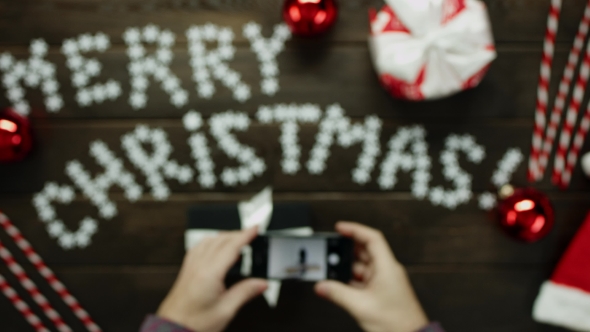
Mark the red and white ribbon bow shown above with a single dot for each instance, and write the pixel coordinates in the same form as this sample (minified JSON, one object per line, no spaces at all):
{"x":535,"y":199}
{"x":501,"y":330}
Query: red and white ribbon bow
{"x":424,"y":49}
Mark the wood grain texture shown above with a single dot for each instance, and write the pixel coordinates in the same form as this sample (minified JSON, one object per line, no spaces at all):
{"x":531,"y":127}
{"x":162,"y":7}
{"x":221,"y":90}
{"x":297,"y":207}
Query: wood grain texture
{"x":490,"y":299}
{"x":48,"y":160}
{"x":514,"y":20}
{"x":311,"y":73}
{"x":468,"y":274}
{"x":150,"y":232}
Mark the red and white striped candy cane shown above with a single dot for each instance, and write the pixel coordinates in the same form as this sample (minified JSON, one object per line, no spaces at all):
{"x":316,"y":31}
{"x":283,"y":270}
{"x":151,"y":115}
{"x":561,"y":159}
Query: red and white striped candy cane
{"x":564,"y":88}
{"x":21,"y":306}
{"x":46,"y":272}
{"x":570,"y":121}
{"x":542,"y":91}
{"x":574,"y":153}
{"x":30,"y":286}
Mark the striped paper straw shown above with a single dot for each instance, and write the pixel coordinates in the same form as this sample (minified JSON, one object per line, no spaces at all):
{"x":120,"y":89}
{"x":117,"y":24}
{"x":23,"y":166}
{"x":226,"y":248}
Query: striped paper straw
{"x":21,"y":306}
{"x":30,"y":286}
{"x":542,"y":91}
{"x":564,"y":89}
{"x":574,"y":153}
{"x":570,"y":120}
{"x":46,"y":272}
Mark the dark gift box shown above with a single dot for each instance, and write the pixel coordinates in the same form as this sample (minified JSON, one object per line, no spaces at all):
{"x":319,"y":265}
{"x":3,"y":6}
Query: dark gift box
{"x":226,"y":217}
{"x":207,"y":219}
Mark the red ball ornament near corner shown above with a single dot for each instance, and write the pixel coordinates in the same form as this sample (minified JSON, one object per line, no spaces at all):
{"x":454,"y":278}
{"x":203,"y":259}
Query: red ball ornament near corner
{"x":15,"y":136}
{"x":526,"y":214}
{"x":309,"y":17}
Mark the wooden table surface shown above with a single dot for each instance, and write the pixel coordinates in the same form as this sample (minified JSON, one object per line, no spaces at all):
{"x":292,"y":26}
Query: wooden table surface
{"x":466,"y":272}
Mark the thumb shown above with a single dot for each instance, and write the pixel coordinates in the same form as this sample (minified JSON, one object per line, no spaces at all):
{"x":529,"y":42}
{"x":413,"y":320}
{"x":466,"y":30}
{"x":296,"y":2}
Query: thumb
{"x":242,"y":292}
{"x":339,"y":293}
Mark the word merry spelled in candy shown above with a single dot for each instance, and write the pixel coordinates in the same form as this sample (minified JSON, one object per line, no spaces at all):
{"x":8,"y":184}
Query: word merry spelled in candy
{"x":37,"y":72}
{"x":407,"y":150}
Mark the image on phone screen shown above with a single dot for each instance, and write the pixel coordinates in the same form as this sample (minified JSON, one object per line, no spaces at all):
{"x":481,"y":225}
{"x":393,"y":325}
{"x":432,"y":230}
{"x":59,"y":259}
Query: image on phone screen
{"x":312,"y":258}
{"x":291,"y":258}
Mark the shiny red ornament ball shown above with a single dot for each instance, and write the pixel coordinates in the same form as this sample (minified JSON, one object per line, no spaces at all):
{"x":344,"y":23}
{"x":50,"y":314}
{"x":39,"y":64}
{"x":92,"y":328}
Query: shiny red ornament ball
{"x":15,"y":136}
{"x":309,"y":17}
{"x":526,"y":215}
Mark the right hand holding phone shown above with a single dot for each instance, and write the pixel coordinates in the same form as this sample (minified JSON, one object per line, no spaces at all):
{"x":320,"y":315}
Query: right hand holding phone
{"x":380,"y":297}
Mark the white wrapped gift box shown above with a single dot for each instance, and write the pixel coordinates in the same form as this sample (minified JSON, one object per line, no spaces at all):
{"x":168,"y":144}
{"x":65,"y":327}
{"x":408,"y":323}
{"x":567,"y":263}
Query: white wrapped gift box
{"x":428,"y":49}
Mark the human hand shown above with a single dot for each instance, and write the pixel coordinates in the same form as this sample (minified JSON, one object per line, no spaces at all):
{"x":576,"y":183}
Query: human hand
{"x":199,"y":300}
{"x":380,"y":297}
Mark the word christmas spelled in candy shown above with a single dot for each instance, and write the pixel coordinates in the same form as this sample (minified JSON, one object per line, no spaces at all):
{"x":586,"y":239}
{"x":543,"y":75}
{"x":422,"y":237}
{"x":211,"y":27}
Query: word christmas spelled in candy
{"x":406,"y":150}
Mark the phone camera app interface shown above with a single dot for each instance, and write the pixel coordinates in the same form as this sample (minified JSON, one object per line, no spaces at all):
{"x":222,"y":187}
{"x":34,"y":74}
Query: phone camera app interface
{"x":297,"y":258}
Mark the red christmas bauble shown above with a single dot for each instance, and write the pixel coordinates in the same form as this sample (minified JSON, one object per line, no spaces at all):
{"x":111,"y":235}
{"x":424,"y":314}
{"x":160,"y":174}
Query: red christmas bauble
{"x":526,"y":215}
{"x":309,"y":17}
{"x":15,"y":136}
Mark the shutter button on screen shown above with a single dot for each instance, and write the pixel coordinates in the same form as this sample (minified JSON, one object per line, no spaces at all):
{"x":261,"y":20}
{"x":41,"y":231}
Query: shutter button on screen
{"x":333,"y":259}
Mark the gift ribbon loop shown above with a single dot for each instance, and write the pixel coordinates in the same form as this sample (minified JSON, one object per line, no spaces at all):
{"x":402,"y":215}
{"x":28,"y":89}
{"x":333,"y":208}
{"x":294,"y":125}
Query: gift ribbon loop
{"x":424,"y":49}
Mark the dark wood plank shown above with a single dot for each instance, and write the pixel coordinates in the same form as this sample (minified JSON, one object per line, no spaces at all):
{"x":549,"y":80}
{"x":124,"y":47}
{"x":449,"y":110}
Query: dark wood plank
{"x":467,"y":273}
{"x":521,"y":21}
{"x":329,"y":75}
{"x":48,"y":161}
{"x":455,"y":296}
{"x":462,"y":298}
{"x":150,"y":232}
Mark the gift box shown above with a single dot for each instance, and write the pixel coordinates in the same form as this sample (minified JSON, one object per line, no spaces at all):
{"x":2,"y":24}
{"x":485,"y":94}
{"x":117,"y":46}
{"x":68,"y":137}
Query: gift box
{"x":226,"y":217}
{"x":428,"y":49}
{"x":286,"y":218}
{"x":207,"y":220}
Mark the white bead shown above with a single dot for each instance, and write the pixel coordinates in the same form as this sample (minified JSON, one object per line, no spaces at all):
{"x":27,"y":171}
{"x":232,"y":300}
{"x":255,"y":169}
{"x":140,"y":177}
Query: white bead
{"x":487,"y":201}
{"x":192,"y":121}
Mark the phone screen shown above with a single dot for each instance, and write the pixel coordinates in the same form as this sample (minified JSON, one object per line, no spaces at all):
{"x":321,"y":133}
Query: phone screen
{"x":291,"y":258}
{"x":303,"y":258}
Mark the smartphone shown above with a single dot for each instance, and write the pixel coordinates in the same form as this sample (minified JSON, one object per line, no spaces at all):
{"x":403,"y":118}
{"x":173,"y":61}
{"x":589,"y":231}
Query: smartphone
{"x":318,"y":257}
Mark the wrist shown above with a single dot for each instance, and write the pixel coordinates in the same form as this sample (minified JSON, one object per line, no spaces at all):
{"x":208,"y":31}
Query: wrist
{"x":414,"y":325}
{"x":405,"y":321}
{"x":173,"y":313}
{"x":156,"y":323}
{"x":412,"y":320}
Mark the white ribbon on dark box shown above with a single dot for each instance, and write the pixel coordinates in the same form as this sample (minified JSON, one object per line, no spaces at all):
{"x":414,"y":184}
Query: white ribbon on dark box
{"x":257,"y":211}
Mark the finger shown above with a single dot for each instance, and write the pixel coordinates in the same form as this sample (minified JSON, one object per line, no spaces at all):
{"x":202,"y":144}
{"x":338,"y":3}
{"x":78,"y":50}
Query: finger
{"x":229,"y":253}
{"x":225,"y":239}
{"x":213,"y":248}
{"x":372,"y":239}
{"x":340,"y":294}
{"x":217,"y":252}
{"x":360,"y":233}
{"x":203,"y":247}
{"x":357,"y":284}
{"x":240,"y":293}
{"x":241,"y":238}
{"x":360,"y":271}
{"x":235,"y":241}
{"x":197,"y":255}
{"x":362,"y":255}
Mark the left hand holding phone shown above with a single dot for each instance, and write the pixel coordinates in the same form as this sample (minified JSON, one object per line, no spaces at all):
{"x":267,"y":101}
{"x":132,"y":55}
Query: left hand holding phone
{"x":199,"y":299}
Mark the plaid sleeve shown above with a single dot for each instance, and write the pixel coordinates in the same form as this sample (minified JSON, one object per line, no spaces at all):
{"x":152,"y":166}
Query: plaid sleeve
{"x":156,"y":324}
{"x":433,"y":327}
